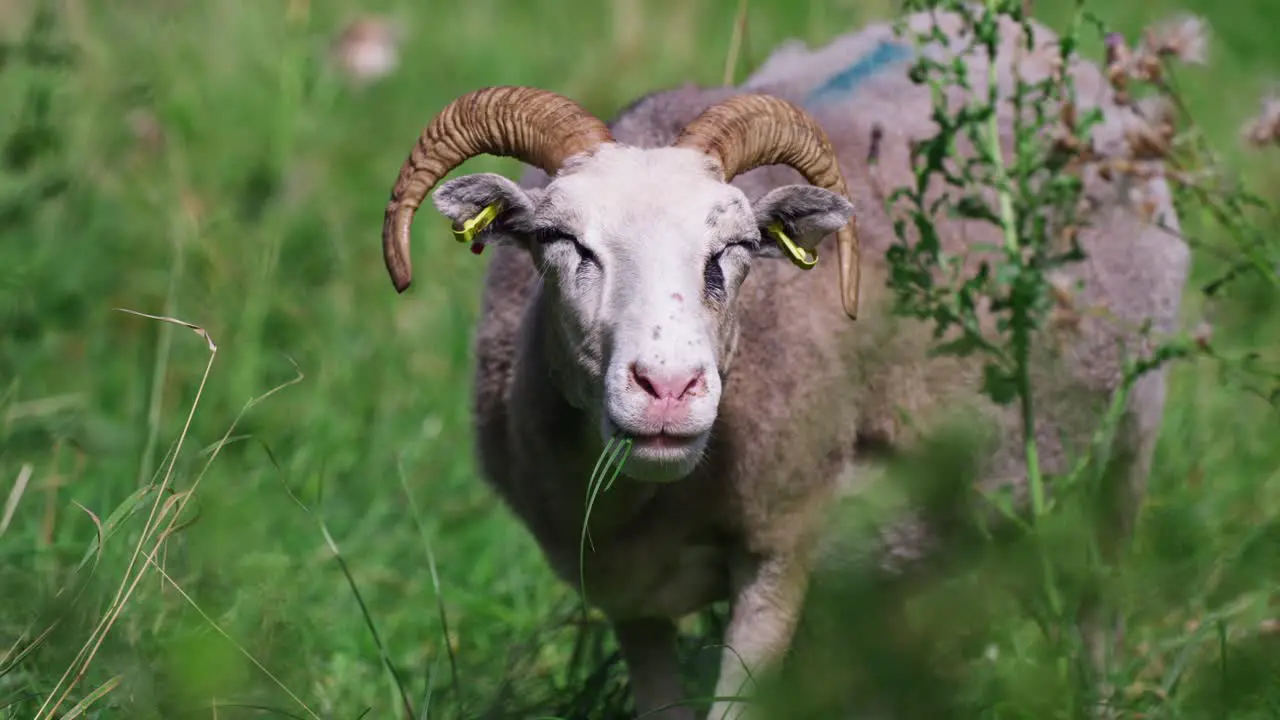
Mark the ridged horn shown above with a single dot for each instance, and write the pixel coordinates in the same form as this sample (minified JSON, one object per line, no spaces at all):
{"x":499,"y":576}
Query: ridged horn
{"x":535,"y":126}
{"x":749,"y":131}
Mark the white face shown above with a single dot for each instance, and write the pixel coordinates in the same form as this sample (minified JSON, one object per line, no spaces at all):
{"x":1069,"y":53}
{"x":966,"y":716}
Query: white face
{"x":643,"y":253}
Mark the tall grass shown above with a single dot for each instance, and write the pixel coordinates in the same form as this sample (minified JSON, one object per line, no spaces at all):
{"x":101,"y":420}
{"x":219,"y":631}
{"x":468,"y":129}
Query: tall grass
{"x":207,"y":161}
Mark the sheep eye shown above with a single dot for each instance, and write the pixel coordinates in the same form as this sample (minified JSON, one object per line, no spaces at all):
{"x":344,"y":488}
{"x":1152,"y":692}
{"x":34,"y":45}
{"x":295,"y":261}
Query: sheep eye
{"x":585,"y":254}
{"x":713,"y":273}
{"x":713,"y":277}
{"x":552,"y":236}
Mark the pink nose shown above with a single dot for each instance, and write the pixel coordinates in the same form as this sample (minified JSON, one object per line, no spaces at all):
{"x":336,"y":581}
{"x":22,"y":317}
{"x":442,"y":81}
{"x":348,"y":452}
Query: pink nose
{"x":672,"y":386}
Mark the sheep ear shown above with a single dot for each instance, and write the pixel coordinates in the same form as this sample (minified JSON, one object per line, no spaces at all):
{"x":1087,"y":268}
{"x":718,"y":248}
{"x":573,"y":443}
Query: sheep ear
{"x":464,"y":198}
{"x":806,"y":213}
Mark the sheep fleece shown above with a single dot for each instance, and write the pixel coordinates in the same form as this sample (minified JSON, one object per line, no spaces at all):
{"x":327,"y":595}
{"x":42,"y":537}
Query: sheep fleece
{"x":808,"y":386}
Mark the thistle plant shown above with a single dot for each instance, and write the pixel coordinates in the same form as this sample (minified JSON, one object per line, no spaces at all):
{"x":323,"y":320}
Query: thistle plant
{"x":1035,"y":196}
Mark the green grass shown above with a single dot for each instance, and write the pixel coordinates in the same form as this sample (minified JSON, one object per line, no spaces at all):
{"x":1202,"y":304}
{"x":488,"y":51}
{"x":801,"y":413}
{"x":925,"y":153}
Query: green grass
{"x":256,"y":217}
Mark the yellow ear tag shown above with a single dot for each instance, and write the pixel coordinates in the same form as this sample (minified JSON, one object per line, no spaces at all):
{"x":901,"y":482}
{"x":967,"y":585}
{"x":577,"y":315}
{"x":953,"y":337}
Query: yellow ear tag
{"x":798,"y":255}
{"x":472,"y":227}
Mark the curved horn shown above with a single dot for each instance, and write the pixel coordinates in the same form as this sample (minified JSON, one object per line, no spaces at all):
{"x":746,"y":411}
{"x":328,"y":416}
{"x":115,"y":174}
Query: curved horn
{"x":749,"y":131}
{"x":537,"y":127}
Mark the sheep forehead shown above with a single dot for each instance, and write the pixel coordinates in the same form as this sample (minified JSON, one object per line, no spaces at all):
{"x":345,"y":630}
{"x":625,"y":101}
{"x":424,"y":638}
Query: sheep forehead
{"x":664,"y":197}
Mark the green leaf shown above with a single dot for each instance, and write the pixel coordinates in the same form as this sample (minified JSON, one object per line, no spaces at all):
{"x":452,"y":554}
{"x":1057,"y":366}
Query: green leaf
{"x":998,"y":384}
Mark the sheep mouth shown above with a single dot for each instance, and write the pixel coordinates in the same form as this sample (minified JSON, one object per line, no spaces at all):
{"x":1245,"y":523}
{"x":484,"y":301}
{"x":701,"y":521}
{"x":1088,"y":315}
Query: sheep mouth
{"x":658,"y":455}
{"x":658,"y":445}
{"x":662,"y":440}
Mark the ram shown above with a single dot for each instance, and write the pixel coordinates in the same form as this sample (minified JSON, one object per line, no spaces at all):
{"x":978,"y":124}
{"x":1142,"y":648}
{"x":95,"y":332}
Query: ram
{"x":617,"y":303}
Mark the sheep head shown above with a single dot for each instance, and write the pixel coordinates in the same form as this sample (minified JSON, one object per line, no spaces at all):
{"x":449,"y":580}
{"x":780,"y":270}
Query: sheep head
{"x":642,"y":251}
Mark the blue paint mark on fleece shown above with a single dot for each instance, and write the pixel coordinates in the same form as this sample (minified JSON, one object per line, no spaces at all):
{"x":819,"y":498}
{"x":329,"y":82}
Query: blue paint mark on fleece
{"x":886,"y":53}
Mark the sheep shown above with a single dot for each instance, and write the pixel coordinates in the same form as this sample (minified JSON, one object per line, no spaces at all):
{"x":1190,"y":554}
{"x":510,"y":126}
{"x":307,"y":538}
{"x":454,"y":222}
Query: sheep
{"x":617,"y":302}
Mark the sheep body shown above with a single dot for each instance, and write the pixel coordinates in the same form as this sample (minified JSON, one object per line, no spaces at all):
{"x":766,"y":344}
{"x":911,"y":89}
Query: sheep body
{"x":807,"y":386}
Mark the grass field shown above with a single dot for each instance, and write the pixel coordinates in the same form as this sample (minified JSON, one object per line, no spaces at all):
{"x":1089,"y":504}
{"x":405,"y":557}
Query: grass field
{"x":201,"y":160}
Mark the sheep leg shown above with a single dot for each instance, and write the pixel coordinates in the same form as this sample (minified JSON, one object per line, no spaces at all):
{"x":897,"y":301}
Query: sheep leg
{"x":648,"y":647}
{"x":766,"y":605}
{"x":1124,"y":490}
{"x":1101,"y":627}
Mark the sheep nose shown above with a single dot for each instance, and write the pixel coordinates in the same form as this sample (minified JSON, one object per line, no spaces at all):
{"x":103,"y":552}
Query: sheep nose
{"x":671,"y":386}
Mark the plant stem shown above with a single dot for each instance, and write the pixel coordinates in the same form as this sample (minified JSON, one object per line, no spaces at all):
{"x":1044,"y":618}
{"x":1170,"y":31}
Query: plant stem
{"x":1029,"y":447}
{"x":1021,"y":339}
{"x":1021,"y":325}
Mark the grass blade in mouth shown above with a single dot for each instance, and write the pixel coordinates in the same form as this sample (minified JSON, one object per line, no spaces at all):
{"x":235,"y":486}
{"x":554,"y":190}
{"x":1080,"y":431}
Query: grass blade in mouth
{"x":609,"y":457}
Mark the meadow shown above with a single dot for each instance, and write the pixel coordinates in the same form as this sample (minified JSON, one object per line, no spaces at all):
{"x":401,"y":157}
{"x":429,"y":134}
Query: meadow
{"x":336,"y":554}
